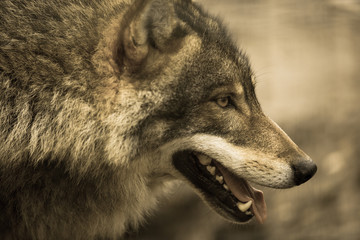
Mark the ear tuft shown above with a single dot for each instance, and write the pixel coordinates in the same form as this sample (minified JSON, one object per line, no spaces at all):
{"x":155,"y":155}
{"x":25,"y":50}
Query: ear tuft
{"x":149,"y":24}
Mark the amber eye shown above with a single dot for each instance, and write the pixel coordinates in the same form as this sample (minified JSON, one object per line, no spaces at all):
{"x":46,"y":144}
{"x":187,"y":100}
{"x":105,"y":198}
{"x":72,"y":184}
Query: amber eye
{"x":223,"y":101}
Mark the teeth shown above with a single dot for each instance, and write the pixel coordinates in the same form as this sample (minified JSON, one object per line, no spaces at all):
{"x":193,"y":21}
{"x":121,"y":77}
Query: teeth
{"x":220,"y":179}
{"x":244,"y":206}
{"x":248,"y":212}
{"x":211,"y":169}
{"x":204,"y":160}
{"x":226,"y":187}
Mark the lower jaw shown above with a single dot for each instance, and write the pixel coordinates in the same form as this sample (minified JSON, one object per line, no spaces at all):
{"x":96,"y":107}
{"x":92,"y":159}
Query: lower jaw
{"x":229,"y":213}
{"x":221,"y":200}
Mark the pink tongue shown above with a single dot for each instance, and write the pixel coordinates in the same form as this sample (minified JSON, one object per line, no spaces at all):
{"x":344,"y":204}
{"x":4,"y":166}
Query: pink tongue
{"x":244,"y":192}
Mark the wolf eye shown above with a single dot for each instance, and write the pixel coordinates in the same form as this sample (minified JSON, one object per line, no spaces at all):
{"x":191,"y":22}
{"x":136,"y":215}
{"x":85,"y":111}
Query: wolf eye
{"x":223,"y":101}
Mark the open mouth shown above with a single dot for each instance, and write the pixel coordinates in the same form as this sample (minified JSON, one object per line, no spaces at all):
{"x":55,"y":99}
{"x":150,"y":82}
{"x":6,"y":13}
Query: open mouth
{"x":230,"y":195}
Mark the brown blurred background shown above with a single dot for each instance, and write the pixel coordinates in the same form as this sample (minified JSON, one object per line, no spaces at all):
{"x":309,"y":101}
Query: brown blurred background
{"x":306,"y":54}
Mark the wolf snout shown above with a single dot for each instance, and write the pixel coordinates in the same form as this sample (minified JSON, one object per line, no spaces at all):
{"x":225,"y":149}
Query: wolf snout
{"x":303,"y":170}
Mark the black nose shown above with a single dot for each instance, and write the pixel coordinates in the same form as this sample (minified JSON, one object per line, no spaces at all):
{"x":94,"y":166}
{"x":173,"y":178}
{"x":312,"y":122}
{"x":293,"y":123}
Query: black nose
{"x":303,"y":170}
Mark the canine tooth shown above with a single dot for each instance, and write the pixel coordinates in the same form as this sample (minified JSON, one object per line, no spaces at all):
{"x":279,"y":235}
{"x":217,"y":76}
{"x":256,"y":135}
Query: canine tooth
{"x":248,"y":212}
{"x":220,"y":179}
{"x":211,"y":170}
{"x":204,"y":160}
{"x":226,"y":187}
{"x":244,"y":206}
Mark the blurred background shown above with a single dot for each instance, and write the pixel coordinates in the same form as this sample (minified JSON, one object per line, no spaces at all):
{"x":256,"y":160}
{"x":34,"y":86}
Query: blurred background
{"x":306,"y":55}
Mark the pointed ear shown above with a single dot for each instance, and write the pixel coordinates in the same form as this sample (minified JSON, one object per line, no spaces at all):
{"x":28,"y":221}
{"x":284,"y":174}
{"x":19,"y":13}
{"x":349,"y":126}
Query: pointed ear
{"x":149,"y":24}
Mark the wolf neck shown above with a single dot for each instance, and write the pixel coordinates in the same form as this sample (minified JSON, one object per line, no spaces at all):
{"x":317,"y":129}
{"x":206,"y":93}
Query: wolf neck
{"x":120,"y":196}
{"x":137,"y":192}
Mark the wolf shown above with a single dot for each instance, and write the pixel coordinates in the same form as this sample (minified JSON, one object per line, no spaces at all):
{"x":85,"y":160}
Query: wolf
{"x":104,"y":103}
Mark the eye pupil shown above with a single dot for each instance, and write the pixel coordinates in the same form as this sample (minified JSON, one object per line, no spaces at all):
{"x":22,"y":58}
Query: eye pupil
{"x":223,"y":101}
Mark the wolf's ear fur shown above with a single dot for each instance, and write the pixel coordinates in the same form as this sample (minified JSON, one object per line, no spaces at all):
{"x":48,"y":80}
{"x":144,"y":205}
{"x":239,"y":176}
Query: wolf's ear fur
{"x":149,"y":24}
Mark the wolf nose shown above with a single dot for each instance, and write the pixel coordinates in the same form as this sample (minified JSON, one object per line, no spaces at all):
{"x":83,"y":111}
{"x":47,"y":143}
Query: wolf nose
{"x":303,"y":170}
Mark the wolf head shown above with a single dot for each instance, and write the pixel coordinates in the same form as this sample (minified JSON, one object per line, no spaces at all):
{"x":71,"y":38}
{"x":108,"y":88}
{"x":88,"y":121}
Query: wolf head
{"x":199,"y":118}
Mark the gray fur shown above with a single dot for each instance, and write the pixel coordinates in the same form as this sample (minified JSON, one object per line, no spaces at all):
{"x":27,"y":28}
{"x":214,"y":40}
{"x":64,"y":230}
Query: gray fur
{"x":89,"y":93}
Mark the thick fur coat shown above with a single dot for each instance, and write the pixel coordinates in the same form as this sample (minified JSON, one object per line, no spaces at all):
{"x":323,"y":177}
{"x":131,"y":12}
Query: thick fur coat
{"x":93,"y":94}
